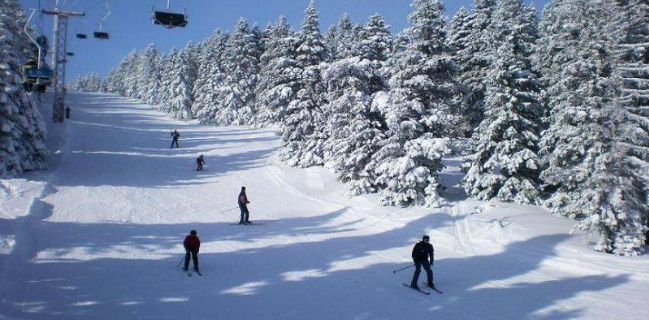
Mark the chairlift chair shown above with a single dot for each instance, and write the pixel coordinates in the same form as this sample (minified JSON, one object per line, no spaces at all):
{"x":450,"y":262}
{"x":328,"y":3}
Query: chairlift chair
{"x":169,"y":19}
{"x":82,"y":36}
{"x":70,"y":54}
{"x":101,"y":35}
{"x":34,"y":76}
{"x":35,"y":72}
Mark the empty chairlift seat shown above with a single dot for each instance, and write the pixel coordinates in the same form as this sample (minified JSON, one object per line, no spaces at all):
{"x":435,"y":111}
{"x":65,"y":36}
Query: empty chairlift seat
{"x":101,"y":35}
{"x":82,"y":36}
{"x":169,"y":19}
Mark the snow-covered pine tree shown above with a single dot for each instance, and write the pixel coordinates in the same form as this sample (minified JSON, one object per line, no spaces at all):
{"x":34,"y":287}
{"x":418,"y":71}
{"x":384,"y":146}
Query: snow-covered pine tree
{"x":279,"y":76}
{"x":634,"y":68}
{"x":331,"y":39}
{"x":210,"y":76}
{"x":149,"y":75}
{"x":123,"y":78}
{"x":131,"y":77}
{"x":345,"y":39}
{"x":475,"y":62}
{"x":505,"y":164}
{"x":241,"y":67}
{"x":374,"y":42}
{"x":587,"y":172}
{"x":418,"y":110}
{"x":191,"y":56}
{"x":167,"y":76}
{"x":22,"y":130}
{"x":302,"y":135}
{"x":355,"y":129}
{"x":178,"y":101}
{"x":458,"y":30}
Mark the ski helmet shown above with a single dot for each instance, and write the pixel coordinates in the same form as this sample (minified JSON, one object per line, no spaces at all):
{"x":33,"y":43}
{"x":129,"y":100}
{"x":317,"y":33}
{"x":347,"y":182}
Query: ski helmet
{"x":193,"y":232}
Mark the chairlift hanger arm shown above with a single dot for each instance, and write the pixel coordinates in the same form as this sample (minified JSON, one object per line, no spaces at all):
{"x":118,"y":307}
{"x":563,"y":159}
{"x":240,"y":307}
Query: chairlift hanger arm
{"x":38,"y":46}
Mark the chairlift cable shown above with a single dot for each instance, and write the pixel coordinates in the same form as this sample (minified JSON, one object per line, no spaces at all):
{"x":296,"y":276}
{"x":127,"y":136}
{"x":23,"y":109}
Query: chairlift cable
{"x":94,"y":5}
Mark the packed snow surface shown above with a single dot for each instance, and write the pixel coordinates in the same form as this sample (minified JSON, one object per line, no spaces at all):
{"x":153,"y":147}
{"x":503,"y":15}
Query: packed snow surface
{"x":99,"y":236}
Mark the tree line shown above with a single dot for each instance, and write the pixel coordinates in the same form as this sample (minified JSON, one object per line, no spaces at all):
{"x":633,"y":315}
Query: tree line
{"x":553,"y":110}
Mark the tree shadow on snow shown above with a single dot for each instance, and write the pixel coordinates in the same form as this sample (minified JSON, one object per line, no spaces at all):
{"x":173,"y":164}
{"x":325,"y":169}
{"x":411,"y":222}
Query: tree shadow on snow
{"x":301,"y":268}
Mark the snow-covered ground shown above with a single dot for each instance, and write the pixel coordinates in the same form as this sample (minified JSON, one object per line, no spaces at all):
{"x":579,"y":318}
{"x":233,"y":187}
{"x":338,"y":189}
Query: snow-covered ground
{"x":99,"y":237}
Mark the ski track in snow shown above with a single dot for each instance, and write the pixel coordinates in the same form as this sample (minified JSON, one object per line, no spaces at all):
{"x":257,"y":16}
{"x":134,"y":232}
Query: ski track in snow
{"x":99,"y":236}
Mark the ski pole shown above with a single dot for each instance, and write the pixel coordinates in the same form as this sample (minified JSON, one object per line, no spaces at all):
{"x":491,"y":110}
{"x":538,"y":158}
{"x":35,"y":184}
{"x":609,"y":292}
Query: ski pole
{"x":181,"y":261}
{"x":226,"y":210}
{"x":408,"y":267}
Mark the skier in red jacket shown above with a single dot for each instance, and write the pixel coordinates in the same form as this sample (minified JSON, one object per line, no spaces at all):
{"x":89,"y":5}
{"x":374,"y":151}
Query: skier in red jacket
{"x":192,"y":245}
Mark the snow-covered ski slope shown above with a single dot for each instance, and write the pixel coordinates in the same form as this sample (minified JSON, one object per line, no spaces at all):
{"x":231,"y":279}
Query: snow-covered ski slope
{"x":99,"y":237}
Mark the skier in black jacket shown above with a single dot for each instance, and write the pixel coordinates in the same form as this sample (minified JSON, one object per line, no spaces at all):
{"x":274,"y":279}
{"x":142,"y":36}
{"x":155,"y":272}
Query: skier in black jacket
{"x":420,"y":254}
{"x":243,"y":206}
{"x":200,"y":161}
{"x":175,"y":135}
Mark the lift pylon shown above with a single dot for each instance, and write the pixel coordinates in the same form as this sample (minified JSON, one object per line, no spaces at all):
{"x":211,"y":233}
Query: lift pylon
{"x":59,"y":59}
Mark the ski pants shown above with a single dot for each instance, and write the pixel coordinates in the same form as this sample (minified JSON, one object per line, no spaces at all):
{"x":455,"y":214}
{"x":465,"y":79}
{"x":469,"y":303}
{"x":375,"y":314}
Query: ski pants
{"x":194,"y":257}
{"x":245,"y":215}
{"x":174,"y":141}
{"x":429,"y":273}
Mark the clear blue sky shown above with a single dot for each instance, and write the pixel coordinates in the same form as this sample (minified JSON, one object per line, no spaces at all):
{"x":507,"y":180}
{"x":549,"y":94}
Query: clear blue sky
{"x":130,"y":24}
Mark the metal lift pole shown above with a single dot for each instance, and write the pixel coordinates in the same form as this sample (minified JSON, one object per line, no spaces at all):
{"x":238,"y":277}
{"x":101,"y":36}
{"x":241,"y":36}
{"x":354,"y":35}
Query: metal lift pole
{"x":59,"y":59}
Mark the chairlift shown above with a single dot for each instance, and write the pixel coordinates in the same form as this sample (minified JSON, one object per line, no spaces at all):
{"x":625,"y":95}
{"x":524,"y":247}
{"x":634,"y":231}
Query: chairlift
{"x":100,"y":34}
{"x":168,"y":19}
{"x":34,"y":73}
{"x":70,"y":54}
{"x":80,"y":30}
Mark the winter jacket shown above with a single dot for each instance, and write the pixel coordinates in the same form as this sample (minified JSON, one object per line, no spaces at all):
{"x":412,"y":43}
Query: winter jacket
{"x":175,"y":135}
{"x":422,"y":251}
{"x":192,"y":243}
{"x":243,"y":199}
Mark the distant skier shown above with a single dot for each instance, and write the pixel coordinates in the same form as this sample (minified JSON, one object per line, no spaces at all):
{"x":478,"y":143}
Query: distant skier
{"x":243,"y":201}
{"x":175,"y":135}
{"x":192,"y":245}
{"x":200,"y":161}
{"x":420,"y":254}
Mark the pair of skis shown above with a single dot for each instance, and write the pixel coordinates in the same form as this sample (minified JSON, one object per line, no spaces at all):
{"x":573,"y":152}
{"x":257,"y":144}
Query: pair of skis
{"x":189,"y":273}
{"x":422,"y":291}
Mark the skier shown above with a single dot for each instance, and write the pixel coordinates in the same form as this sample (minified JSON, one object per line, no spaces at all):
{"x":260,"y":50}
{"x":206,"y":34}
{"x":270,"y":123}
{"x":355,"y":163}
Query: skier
{"x":200,"y":162}
{"x":175,"y":134}
{"x":420,"y":254}
{"x":192,"y":245}
{"x":243,"y":201}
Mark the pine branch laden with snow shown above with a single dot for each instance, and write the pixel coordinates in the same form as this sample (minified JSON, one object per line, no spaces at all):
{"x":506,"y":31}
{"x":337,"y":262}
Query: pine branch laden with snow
{"x":633,"y":65}
{"x":279,"y":77}
{"x":505,"y":164}
{"x":587,"y":171}
{"x":302,"y":134}
{"x":22,"y":130}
